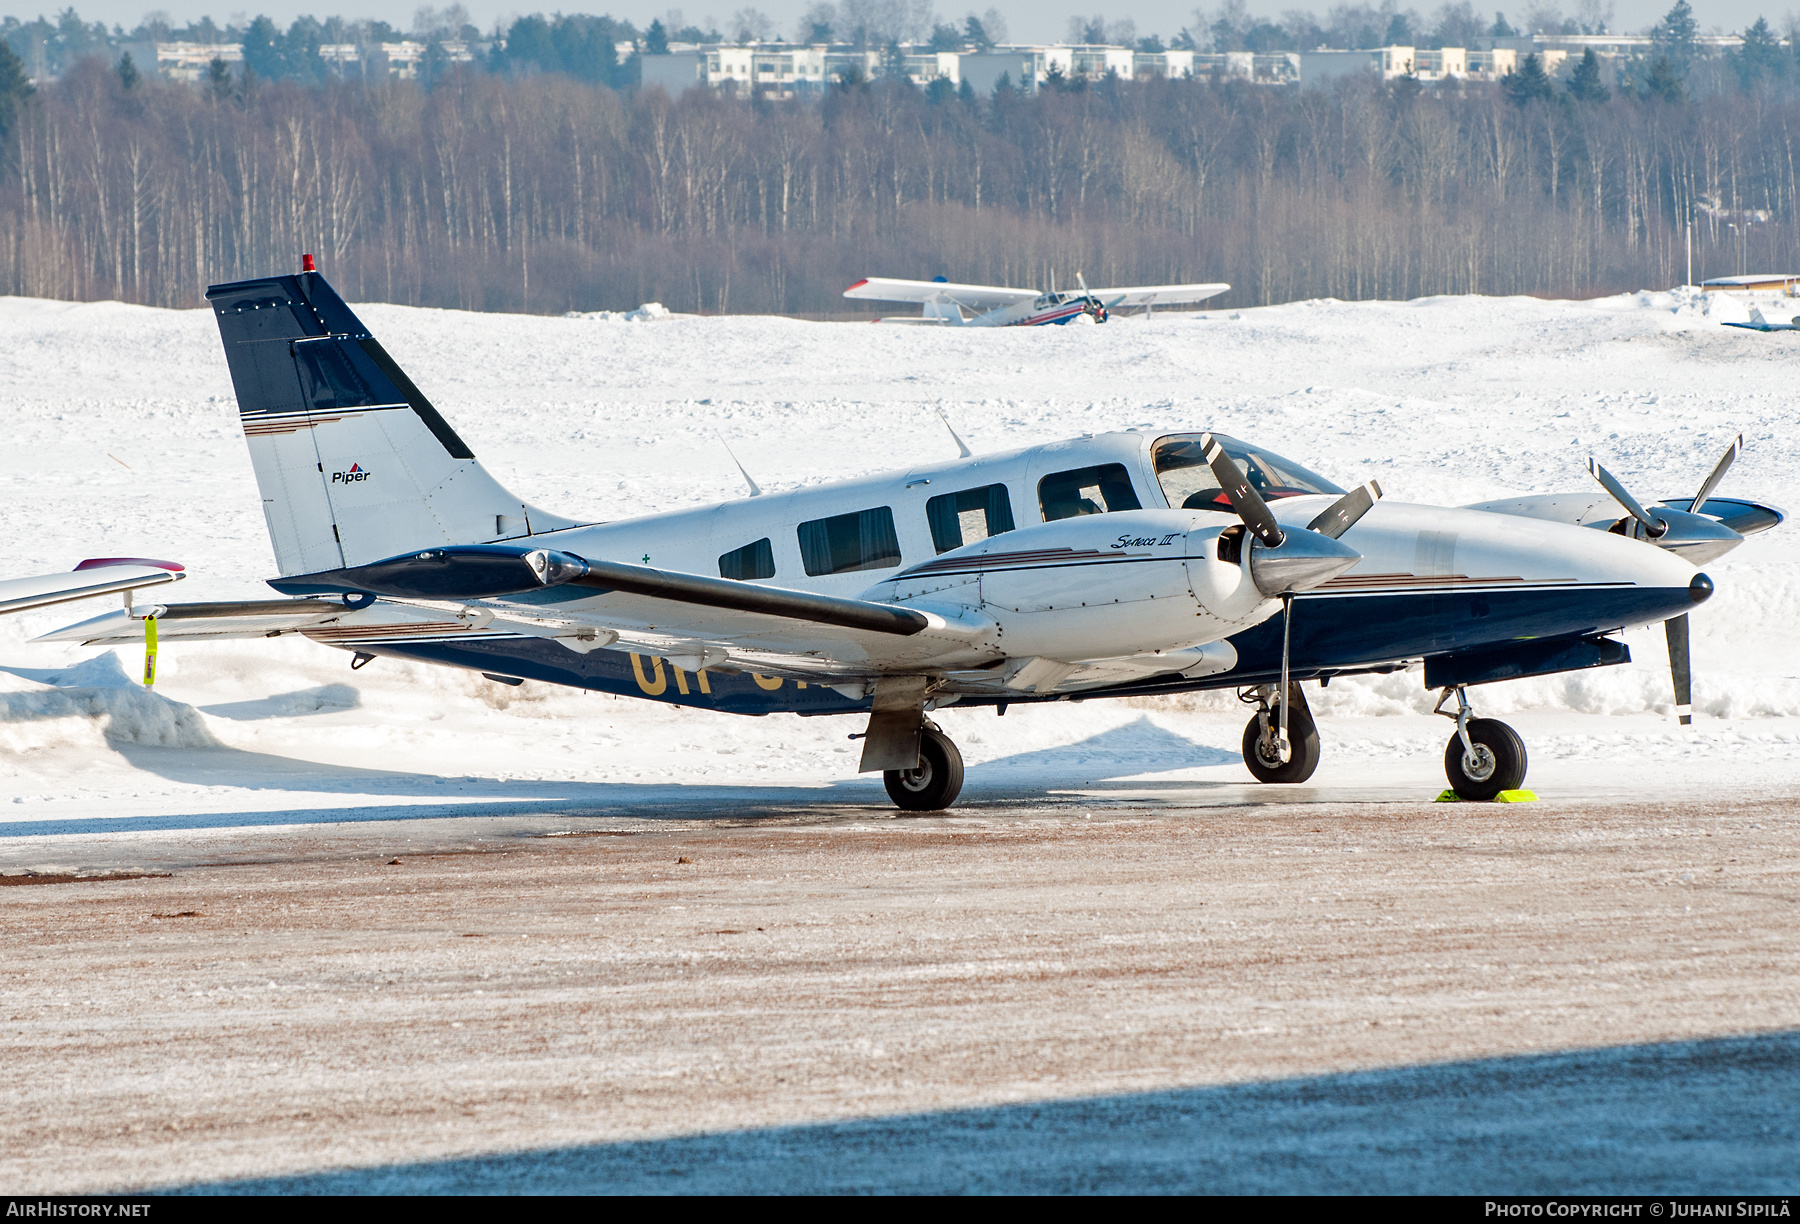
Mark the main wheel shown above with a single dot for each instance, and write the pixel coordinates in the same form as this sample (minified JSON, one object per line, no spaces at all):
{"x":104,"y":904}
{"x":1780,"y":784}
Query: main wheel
{"x":936,"y":783}
{"x":1498,"y":764}
{"x":1303,"y":739}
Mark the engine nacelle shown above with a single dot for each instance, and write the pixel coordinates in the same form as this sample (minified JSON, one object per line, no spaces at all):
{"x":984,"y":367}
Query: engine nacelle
{"x":1099,"y":586}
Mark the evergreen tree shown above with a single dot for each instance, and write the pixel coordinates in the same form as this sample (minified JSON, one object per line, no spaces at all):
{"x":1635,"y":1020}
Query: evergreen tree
{"x":218,"y":78}
{"x":1502,"y":30}
{"x":1664,"y":83}
{"x":976,"y":33}
{"x":939,"y":91}
{"x":15,"y":87}
{"x":1585,"y":84}
{"x":1760,"y":59}
{"x":1673,"y":37}
{"x":965,"y":93}
{"x":129,"y":76}
{"x":1528,"y":83}
{"x":656,"y":39}
{"x":262,"y":50}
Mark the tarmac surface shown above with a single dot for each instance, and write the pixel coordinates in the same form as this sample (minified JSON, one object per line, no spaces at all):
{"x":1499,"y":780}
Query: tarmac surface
{"x":1130,"y":992}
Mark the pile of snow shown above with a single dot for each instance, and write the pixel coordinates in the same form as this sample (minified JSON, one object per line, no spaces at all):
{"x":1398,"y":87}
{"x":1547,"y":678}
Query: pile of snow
{"x":88,"y":706}
{"x":124,"y":440}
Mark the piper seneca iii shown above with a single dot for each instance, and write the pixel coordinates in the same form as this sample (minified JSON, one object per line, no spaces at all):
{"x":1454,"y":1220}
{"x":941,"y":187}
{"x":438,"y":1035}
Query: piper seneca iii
{"x":1104,"y":566}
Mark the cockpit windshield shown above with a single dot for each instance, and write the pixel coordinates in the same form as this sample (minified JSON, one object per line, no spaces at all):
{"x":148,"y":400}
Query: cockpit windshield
{"x":1188,"y":482}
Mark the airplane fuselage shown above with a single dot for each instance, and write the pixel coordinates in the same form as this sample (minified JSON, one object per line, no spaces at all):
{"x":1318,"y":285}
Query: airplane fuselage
{"x":1434,"y":583}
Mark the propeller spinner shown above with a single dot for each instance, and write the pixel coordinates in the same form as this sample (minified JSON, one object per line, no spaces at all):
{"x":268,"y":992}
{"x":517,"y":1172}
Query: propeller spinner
{"x":1691,"y":536}
{"x":1284,"y":562}
{"x":1688,"y":534}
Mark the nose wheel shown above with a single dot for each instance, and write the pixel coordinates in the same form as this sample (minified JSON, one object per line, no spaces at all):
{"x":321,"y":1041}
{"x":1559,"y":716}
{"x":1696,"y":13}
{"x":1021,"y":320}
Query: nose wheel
{"x":1485,"y":756}
{"x":1268,"y":758}
{"x":937,"y":780}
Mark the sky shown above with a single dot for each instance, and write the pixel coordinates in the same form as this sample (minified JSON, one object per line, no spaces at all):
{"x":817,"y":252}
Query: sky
{"x":1025,"y":21}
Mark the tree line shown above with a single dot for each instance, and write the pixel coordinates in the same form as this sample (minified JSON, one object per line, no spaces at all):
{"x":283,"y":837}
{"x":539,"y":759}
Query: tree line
{"x":540,"y":192}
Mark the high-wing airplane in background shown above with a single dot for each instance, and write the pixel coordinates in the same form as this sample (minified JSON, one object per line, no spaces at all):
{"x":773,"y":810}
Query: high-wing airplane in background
{"x":943,"y":302}
{"x":1104,"y":566}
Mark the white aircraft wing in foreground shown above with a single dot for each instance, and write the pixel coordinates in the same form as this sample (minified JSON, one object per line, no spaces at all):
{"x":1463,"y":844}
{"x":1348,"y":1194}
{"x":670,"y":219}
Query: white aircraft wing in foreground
{"x":96,"y":576}
{"x":944,"y":301}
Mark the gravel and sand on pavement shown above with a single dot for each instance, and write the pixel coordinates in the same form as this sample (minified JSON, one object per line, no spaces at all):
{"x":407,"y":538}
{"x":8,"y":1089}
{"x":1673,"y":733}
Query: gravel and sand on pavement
{"x":1082,"y":994}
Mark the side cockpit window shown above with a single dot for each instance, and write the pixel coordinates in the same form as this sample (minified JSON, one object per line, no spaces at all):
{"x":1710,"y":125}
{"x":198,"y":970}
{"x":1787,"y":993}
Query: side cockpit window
{"x":1188,"y":482}
{"x":748,"y":563}
{"x":970,"y":516}
{"x":1103,"y":489}
{"x":860,"y":540}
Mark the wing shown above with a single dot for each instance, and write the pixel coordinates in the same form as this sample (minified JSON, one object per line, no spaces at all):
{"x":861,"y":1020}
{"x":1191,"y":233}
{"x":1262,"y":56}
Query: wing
{"x":200,"y":621}
{"x":99,"y":576}
{"x":975,"y":297}
{"x":701,"y":621}
{"x":1583,"y":509}
{"x":1158,"y":295}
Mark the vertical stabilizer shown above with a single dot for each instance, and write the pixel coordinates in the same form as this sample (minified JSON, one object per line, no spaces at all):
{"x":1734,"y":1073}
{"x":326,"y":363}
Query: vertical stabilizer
{"x":353,"y":462}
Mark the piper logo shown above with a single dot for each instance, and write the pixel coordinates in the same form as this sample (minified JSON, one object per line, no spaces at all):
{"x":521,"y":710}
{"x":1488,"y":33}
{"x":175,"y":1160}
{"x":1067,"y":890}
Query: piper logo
{"x":355,"y":474}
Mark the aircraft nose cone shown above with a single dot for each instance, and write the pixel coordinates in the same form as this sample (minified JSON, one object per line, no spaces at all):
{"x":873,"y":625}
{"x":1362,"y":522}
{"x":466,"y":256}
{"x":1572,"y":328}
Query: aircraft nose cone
{"x":1305,"y":560}
{"x":1700,"y":589}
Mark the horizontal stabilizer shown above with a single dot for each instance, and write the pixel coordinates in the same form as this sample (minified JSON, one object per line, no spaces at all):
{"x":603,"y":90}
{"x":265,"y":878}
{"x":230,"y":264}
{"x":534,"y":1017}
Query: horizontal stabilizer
{"x":254,"y":618}
{"x":101,"y":576}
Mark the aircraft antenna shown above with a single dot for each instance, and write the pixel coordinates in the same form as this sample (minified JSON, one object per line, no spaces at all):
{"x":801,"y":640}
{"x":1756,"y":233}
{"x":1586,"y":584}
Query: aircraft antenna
{"x":962,"y":448}
{"x":755,"y":489}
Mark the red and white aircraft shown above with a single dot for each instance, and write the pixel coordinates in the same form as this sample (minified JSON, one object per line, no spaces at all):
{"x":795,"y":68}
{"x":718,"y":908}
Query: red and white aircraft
{"x":994,"y":306}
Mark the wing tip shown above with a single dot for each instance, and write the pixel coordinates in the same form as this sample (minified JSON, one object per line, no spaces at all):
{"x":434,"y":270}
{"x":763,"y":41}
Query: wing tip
{"x":102,"y":562}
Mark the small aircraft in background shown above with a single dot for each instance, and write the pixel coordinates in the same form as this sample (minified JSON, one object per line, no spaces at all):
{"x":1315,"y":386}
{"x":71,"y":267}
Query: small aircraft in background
{"x":1759,"y":323}
{"x":995,"y":306}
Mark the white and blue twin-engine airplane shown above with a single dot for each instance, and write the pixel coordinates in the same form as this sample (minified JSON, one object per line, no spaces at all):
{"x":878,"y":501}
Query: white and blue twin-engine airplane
{"x":1105,"y":566}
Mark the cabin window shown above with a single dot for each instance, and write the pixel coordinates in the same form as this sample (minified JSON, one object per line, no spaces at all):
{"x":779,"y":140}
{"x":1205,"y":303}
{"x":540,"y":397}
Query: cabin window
{"x":749,"y":562}
{"x":1103,"y":489}
{"x":861,"y":540}
{"x":1189,"y":483}
{"x":964,"y":518}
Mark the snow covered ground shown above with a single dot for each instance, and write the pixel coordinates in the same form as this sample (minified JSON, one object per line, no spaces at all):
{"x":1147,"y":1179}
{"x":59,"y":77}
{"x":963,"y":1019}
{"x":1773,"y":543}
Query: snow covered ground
{"x":122,"y":439}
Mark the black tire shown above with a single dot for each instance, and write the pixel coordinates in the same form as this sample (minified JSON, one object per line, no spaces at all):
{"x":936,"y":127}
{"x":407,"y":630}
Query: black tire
{"x":1303,"y":737}
{"x":936,"y":783}
{"x":1502,"y":766}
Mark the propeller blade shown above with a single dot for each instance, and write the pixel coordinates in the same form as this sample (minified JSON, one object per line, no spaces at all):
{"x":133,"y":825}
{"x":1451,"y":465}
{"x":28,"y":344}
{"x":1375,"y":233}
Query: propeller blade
{"x":1652,"y":526}
{"x":1680,"y":669}
{"x":1085,"y":291}
{"x":1245,"y":500}
{"x":1718,"y":474}
{"x":1341,"y":515}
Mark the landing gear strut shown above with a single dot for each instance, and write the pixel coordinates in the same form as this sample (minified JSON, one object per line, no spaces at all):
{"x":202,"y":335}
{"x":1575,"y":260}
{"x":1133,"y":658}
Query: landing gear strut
{"x":1485,"y":756}
{"x":1268,"y":758}
{"x":936,"y":782}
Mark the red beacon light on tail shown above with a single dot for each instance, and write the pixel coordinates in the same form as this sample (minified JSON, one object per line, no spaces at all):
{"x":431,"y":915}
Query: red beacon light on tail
{"x":306,"y":264}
